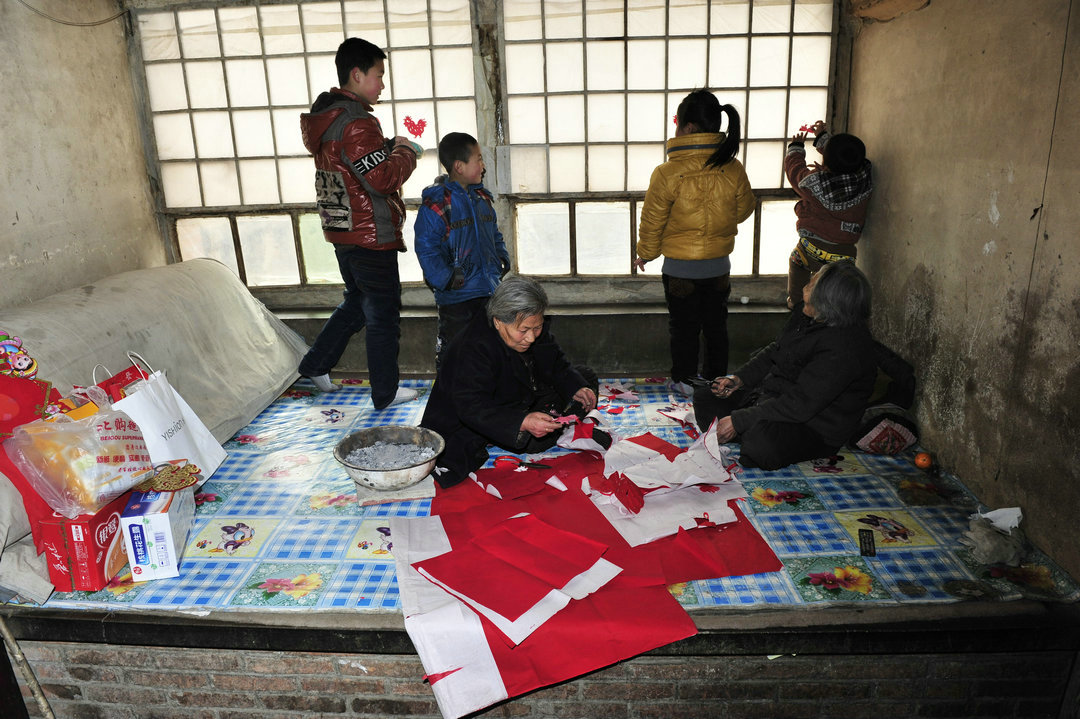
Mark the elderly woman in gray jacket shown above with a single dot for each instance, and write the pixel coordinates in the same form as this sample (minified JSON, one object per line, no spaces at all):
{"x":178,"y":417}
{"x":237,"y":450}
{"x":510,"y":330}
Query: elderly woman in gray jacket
{"x":802,"y":396}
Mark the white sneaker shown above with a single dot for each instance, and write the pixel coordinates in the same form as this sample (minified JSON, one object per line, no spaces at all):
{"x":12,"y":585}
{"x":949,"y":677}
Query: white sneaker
{"x":323,"y":383}
{"x":404,"y":394}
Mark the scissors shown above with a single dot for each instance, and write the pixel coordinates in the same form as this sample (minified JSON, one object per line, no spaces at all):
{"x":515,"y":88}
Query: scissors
{"x":699,"y":382}
{"x":509,"y":460}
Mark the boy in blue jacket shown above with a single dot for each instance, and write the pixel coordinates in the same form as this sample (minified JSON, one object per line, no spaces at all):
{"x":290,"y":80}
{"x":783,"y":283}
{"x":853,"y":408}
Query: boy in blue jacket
{"x":458,"y":242}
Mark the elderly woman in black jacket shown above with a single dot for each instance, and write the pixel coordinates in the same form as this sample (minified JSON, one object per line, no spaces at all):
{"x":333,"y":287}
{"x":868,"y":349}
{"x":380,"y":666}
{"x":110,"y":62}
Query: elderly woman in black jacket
{"x":802,"y":396}
{"x":502,"y":381}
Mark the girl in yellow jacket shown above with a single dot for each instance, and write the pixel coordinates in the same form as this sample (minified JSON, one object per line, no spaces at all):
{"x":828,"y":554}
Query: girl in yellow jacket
{"x":690,"y":216}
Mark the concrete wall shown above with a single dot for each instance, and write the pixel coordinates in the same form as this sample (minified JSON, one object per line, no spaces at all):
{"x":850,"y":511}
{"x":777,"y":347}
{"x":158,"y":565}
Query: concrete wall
{"x":76,"y":203}
{"x":969,"y":109}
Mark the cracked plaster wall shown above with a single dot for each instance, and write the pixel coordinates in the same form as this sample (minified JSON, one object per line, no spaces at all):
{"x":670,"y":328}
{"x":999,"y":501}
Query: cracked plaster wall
{"x":76,"y":204}
{"x":969,"y":110}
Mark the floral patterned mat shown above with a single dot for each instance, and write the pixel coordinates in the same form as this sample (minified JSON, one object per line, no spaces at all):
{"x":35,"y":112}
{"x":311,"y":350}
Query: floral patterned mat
{"x":278,"y":527}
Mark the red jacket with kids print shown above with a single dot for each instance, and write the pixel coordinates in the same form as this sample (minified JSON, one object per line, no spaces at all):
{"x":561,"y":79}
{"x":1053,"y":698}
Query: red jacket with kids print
{"x":358,"y":172}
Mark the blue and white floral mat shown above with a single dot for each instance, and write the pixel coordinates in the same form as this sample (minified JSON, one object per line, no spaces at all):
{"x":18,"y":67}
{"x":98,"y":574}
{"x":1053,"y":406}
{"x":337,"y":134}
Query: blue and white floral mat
{"x":278,"y":526}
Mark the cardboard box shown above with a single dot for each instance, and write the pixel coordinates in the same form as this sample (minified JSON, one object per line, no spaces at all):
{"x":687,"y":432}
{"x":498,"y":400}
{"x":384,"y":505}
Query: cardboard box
{"x":155,"y":526}
{"x":86,"y":552}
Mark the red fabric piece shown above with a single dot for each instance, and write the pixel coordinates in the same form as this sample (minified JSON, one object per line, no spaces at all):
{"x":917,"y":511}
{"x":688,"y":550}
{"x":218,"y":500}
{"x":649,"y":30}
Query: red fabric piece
{"x":626,"y":492}
{"x":651,"y":441}
{"x":511,"y":483}
{"x":24,"y":400}
{"x":432,"y":678}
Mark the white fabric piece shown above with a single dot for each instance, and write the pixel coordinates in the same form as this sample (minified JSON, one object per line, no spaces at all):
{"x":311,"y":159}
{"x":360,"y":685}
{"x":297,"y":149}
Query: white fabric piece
{"x":447,"y":634}
{"x":664,"y":514}
{"x":627,"y":454}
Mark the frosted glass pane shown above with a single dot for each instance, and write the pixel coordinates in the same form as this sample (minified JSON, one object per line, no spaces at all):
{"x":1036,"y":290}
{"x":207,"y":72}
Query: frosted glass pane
{"x":415,"y":111}
{"x":687,"y":17}
{"x":567,"y":169}
{"x":322,"y":26}
{"x":645,"y":64}
{"x":173,"y":135}
{"x":811,"y":66}
{"x":607,"y":168}
{"x":727,"y":62}
{"x":384,"y":113}
{"x":269,"y":251}
{"x":166,"y":86}
{"x":198,"y":33}
{"x":239,"y":31}
{"x":411,"y":71}
{"x":813,"y":15}
{"x":297,"y":179}
{"x":606,"y":66}
{"x":686,"y":64}
{"x":454,"y":72}
{"x":768,"y":61}
{"x":607,"y":118}
{"x":455,"y":116}
{"x":523,"y":68}
{"x":543,"y":239}
{"x":427,"y":169}
{"x":566,"y":118}
{"x":603,"y":238}
{"x":320,"y":261}
{"x":254,"y":134}
{"x":641,"y":160}
{"x":180,"y":182}
{"x":742,"y":257}
{"x":281,"y":29}
{"x":729,"y":17}
{"x":645,"y":17}
{"x":771,"y":16}
{"x":247,"y":82}
{"x":450,"y":22}
{"x":562,"y":18}
{"x":322,"y":75}
{"x":409,"y":269}
{"x":805,"y":108}
{"x":528,"y":170}
{"x":408,"y":21}
{"x":604,"y":18}
{"x":648,"y":120}
{"x":765,"y":164}
{"x":766,"y":116}
{"x":220,"y":184}
{"x":287,"y":132}
{"x":258,"y":182}
{"x":288,"y":80}
{"x":526,"y":120}
{"x":778,"y":236}
{"x":206,"y":84}
{"x":565,"y":67}
{"x":364,"y":18}
{"x":673,"y":101}
{"x":213,"y":136}
{"x":737,"y":99}
{"x":521,"y":20}
{"x":158,"y":33}
{"x":207,"y":237}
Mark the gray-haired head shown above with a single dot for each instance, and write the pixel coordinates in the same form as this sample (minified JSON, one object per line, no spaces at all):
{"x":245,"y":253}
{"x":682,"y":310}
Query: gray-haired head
{"x":515,"y":298}
{"x":841,"y":296}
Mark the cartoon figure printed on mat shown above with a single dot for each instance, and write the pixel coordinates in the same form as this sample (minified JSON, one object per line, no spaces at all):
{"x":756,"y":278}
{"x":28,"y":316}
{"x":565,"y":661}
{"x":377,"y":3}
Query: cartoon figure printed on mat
{"x":827,"y":465}
{"x":233,"y":537}
{"x":332,"y":415}
{"x":890,"y":530}
{"x":14,"y":360}
{"x":385,"y":545}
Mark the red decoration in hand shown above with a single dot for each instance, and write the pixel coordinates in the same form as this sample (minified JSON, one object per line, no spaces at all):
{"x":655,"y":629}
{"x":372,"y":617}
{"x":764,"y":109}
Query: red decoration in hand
{"x":415,"y":128}
{"x":806,"y":128}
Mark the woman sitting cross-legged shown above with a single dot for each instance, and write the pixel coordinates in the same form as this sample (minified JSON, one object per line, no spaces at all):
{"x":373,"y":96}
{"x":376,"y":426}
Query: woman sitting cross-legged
{"x":803,"y":396}
{"x":503,"y":381}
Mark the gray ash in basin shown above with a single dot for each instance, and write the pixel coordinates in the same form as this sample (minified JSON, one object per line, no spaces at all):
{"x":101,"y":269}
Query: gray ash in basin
{"x":389,"y":455}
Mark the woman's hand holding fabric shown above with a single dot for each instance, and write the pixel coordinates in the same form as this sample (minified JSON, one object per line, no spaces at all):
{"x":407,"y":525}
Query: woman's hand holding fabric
{"x":587,"y":398}
{"x":539,"y":424}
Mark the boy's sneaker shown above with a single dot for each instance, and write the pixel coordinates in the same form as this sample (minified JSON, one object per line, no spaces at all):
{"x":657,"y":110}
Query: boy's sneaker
{"x":323,"y":383}
{"x":682,"y":388}
{"x":404,"y":394}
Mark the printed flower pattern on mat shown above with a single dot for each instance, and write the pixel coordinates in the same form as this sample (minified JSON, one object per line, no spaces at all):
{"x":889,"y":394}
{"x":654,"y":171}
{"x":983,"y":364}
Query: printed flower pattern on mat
{"x":284,"y":585}
{"x":835,"y":579}
{"x":1037,"y":577}
{"x":782,"y":496}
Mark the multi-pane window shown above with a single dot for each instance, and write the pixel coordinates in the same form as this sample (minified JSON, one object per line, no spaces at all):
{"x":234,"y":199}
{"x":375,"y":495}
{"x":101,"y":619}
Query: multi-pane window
{"x":585,"y":98}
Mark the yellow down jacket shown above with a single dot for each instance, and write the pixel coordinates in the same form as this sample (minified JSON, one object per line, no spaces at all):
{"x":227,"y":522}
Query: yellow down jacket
{"x":692,"y":212}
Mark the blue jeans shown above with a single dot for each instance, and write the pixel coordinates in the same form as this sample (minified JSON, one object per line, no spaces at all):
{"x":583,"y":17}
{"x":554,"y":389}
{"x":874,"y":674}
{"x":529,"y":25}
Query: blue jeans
{"x":372,"y":300}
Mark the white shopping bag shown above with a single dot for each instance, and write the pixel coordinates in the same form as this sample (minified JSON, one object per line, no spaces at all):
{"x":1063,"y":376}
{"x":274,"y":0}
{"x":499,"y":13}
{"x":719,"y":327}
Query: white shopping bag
{"x":170,"y":427}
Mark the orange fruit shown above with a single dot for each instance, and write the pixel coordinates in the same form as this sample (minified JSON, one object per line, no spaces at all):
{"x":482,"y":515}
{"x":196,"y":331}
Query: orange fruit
{"x":923,"y":460}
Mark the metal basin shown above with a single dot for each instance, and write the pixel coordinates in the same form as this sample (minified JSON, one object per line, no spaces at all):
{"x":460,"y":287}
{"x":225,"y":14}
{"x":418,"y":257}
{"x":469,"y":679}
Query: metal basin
{"x":389,"y":479}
